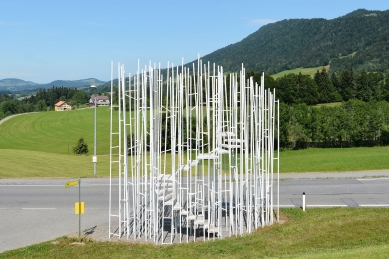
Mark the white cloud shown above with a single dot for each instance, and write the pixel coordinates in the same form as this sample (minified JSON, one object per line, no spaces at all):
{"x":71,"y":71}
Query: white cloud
{"x":261,"y":22}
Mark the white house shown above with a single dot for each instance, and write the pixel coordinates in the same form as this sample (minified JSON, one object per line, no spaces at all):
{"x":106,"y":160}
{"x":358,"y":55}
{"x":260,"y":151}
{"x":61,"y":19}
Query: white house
{"x":62,"y":106}
{"x":100,"y":100}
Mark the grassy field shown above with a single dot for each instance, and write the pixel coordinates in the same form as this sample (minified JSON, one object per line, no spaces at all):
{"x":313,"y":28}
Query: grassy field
{"x":40,"y":145}
{"x":316,"y":233}
{"x":334,"y":104}
{"x":32,"y":164}
{"x":305,"y":71}
{"x":335,"y":159}
{"x":56,"y":132}
{"x":37,"y":144}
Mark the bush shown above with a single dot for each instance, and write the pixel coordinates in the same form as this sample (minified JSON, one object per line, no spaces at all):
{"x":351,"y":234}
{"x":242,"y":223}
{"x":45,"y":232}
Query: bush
{"x":81,"y":147}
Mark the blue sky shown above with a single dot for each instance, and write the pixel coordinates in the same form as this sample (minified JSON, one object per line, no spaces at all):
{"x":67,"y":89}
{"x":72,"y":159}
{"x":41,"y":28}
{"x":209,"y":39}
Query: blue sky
{"x":46,"y":40}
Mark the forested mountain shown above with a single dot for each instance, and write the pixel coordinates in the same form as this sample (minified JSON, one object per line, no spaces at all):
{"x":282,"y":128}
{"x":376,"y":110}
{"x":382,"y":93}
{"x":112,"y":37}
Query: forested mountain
{"x":11,"y":83}
{"x":359,"y":39}
{"x":18,"y":84}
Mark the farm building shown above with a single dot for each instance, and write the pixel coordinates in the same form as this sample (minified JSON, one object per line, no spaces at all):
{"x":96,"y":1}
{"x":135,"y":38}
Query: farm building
{"x":100,"y":100}
{"x":62,"y":106}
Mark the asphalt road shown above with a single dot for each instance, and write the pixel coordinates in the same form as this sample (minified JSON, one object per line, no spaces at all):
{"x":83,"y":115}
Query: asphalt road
{"x":37,"y":210}
{"x":33,"y":211}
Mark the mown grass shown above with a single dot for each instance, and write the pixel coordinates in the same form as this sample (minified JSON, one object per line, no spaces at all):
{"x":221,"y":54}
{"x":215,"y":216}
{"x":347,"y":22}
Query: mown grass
{"x":32,"y":164}
{"x":334,"y":159}
{"x":334,"y":104}
{"x":305,"y":71}
{"x":56,"y":132}
{"x":316,"y":233}
{"x":40,"y":145}
{"x":28,"y":164}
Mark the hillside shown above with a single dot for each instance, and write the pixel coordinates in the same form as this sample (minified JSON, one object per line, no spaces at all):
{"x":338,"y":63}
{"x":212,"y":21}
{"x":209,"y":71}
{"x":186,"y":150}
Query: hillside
{"x":9,"y":83}
{"x":295,"y":43}
{"x":56,"y":132}
{"x":14,"y":84}
{"x":359,"y":39}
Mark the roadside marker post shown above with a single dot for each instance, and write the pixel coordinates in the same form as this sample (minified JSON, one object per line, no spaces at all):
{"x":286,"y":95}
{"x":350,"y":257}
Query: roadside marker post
{"x":78,"y":206}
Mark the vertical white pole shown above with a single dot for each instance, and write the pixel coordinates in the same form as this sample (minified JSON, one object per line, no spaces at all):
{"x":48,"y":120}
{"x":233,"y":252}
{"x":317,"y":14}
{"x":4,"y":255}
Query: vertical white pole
{"x":243,"y":116}
{"x":278,"y":160}
{"x":79,"y":209}
{"x":110,"y":155}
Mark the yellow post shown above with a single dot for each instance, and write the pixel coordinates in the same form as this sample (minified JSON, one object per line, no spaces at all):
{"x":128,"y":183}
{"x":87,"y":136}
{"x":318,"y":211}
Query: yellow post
{"x":78,"y":207}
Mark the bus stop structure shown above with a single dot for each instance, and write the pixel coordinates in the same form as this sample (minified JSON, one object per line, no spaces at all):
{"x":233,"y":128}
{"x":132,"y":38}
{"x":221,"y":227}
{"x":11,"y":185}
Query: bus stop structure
{"x":195,"y":154}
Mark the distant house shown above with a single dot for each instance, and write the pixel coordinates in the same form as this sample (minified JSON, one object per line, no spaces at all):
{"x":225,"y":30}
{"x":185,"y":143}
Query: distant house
{"x":100,"y":100}
{"x":62,"y":106}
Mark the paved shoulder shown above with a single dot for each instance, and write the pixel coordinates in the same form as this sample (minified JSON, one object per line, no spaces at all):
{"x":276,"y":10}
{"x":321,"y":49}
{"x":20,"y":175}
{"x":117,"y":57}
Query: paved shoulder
{"x":335,"y":175}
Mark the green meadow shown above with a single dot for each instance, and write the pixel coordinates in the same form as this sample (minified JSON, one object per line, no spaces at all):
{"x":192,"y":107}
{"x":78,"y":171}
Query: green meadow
{"x":305,"y":71}
{"x":56,"y":132}
{"x":41,"y":145}
{"x":37,"y":164}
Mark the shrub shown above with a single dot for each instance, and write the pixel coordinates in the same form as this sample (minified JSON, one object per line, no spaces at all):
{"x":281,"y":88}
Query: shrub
{"x":81,"y":147}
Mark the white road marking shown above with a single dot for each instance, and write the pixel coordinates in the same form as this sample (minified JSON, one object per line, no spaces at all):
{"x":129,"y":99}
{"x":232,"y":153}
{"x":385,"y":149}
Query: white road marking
{"x":49,"y":185}
{"x":39,"y":208}
{"x":325,"y":205}
{"x":374,"y":205}
{"x":373,"y":179}
{"x":12,"y":208}
{"x":30,"y":185}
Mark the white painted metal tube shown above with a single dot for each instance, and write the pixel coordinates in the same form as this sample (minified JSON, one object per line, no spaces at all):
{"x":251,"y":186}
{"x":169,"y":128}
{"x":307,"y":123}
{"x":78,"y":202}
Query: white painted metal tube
{"x":219,"y":178}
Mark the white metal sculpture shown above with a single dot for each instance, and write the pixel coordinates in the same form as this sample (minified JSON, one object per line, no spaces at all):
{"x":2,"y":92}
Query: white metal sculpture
{"x":194,"y":154}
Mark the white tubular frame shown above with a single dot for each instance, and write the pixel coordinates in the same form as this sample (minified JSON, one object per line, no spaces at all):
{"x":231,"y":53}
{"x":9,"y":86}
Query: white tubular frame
{"x":194,"y":154}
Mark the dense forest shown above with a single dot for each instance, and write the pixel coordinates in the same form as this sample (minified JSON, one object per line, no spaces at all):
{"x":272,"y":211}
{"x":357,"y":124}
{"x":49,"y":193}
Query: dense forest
{"x":353,"y":123}
{"x":359,"y":40}
{"x":43,"y":100}
{"x":326,"y":88}
{"x":362,"y":117}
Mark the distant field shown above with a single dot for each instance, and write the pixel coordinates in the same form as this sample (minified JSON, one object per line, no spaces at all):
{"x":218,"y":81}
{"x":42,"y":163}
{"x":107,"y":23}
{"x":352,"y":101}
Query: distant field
{"x":305,"y":71}
{"x":56,"y":132}
{"x":328,"y":104}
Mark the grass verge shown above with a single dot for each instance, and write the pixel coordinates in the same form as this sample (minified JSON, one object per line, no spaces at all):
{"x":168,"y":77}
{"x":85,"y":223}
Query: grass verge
{"x":316,"y":233}
{"x":32,"y":164}
{"x":334,"y":159}
{"x":27,"y":164}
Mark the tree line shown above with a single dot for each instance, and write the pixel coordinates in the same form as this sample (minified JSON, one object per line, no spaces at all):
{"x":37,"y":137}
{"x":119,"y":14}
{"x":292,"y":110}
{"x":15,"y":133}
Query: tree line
{"x":43,"y":100}
{"x":325,"y":88}
{"x":360,"y":120}
{"x":352,"y":123}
